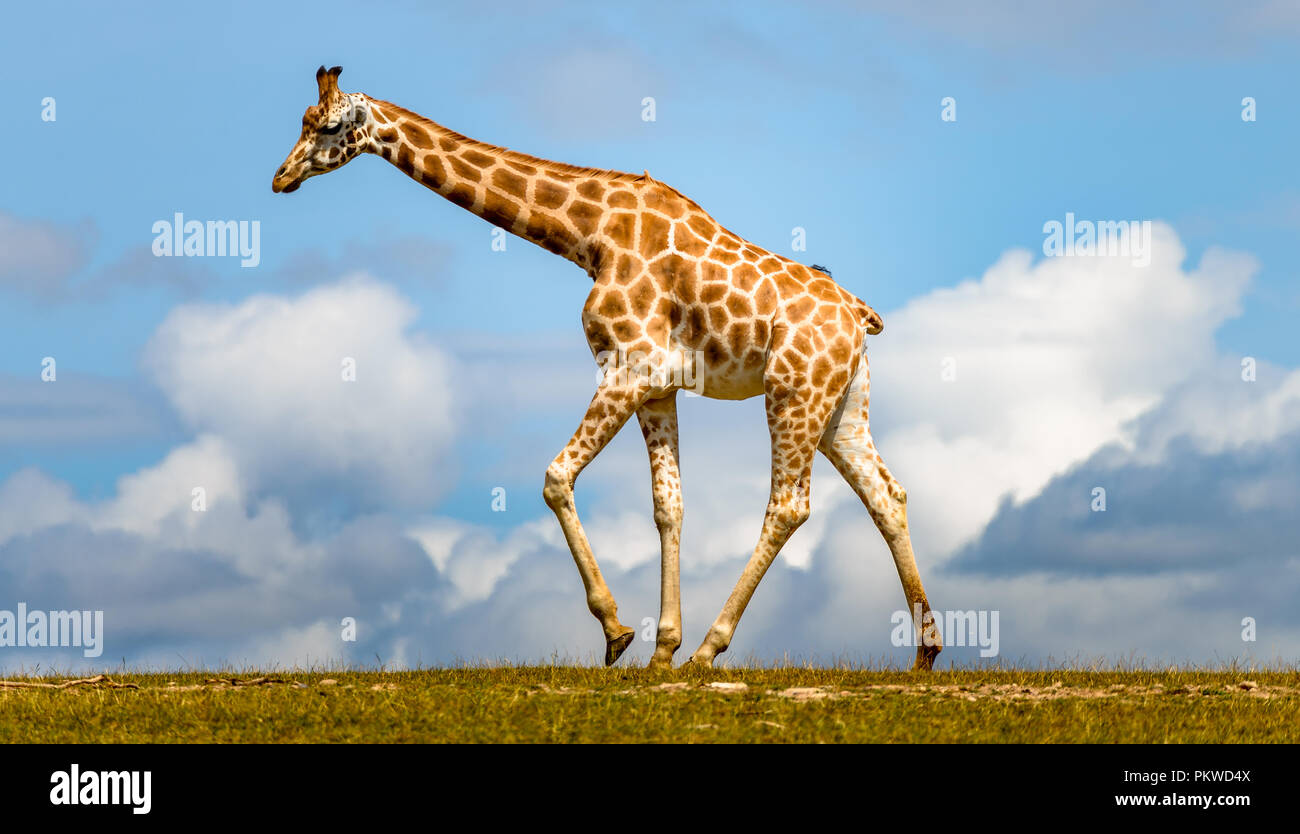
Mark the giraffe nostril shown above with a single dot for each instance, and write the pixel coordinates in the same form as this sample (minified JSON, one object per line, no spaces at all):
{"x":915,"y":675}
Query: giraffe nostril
{"x":280,"y":173}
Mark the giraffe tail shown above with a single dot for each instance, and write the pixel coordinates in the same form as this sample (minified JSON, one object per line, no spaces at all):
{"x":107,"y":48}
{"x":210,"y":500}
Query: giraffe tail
{"x":871,"y":320}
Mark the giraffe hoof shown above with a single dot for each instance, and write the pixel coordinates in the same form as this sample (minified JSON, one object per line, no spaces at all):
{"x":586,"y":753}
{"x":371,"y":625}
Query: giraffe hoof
{"x":616,"y":645}
{"x":925,"y":656}
{"x":658,"y":662}
{"x":694,"y":662}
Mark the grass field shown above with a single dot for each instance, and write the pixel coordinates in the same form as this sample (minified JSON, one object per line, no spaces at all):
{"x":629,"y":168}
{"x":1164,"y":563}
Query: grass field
{"x":578,"y":704}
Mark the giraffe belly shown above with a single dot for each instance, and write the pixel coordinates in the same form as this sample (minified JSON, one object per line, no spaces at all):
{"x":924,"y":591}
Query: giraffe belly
{"x":725,"y":380}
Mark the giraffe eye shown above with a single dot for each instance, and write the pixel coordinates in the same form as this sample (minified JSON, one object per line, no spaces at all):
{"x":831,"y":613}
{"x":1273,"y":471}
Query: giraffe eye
{"x":329,"y":131}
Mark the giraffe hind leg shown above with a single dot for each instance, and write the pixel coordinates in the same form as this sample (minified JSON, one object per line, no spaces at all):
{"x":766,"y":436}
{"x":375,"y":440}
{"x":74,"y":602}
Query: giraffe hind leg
{"x":797,"y":417}
{"x":847,"y":444}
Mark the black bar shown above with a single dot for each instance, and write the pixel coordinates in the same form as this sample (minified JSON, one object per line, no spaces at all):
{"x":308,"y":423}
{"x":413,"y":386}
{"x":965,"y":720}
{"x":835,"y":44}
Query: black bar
{"x":305,"y":783}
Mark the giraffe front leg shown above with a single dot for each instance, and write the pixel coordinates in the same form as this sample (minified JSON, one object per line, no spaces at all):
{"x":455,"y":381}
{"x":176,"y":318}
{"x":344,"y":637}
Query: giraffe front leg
{"x":613,"y":404}
{"x":659,"y":426}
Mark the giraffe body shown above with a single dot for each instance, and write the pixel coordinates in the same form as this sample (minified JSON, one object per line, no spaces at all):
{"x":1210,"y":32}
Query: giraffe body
{"x":676,"y":299}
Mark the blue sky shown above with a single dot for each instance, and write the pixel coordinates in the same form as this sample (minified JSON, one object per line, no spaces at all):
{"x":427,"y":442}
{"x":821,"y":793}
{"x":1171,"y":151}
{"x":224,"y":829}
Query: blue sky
{"x":824,"y":116}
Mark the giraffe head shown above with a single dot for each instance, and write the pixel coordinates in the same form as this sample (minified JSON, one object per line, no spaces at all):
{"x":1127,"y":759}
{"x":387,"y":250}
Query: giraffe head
{"x":334,"y":130}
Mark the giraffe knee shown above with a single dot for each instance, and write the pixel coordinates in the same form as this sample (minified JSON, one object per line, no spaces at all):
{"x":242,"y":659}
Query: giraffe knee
{"x":558,"y":491}
{"x":887,"y":503}
{"x":668,"y":513}
{"x":789,"y":512}
{"x":894,"y":488}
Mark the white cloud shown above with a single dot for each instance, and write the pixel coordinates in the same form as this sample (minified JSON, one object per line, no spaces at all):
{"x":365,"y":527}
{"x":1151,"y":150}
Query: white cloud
{"x":144,"y":499}
{"x":1219,"y":410}
{"x":1053,"y":359}
{"x":472,"y":558}
{"x":314,"y":645}
{"x":266,"y":376}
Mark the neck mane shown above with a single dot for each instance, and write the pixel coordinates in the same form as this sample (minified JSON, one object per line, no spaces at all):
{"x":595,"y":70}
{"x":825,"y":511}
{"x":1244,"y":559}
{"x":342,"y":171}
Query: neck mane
{"x":554,"y":205}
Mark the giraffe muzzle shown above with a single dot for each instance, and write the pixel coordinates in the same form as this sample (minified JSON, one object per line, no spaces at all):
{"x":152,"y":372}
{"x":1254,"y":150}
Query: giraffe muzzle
{"x":279,"y":186}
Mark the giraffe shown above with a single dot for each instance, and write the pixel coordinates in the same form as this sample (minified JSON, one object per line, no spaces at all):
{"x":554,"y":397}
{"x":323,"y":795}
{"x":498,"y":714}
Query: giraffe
{"x":673,"y":292}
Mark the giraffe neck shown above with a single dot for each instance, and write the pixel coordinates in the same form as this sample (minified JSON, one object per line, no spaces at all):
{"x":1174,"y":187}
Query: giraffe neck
{"x":553,"y":205}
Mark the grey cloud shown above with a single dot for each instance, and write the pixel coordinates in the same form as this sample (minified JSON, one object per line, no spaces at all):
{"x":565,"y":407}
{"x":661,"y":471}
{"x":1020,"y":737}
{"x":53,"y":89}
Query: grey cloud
{"x":161,"y":601}
{"x":49,"y":262}
{"x":1098,"y":35}
{"x":1208,"y":484}
{"x":77,"y":410}
{"x":398,"y":260}
{"x":40,"y":257}
{"x":1193,"y":512}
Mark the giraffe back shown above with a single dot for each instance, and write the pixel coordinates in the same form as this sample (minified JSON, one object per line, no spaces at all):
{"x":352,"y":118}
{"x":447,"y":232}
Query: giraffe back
{"x":668,"y":276}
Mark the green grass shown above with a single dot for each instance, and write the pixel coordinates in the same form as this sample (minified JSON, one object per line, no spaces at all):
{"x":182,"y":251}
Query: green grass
{"x":578,"y":704}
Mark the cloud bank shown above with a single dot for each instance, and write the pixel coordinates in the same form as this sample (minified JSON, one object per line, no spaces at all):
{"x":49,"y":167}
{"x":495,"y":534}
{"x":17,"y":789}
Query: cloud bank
{"x":327,"y":498}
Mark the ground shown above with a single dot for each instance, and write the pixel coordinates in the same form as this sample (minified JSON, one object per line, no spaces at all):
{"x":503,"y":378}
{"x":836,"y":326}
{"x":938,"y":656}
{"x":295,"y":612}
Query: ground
{"x":570,"y":703}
